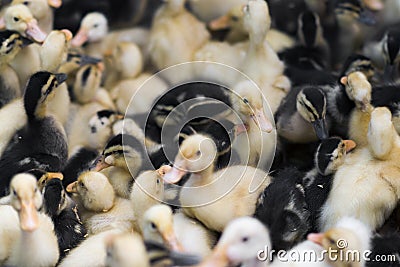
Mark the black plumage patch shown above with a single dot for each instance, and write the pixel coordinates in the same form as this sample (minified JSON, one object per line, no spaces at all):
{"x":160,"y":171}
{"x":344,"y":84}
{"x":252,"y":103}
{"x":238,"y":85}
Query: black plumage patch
{"x":357,"y":62}
{"x":123,"y":141}
{"x":324,"y":152}
{"x":53,"y":197}
{"x":85,"y":75}
{"x":105,"y":113}
{"x":33,"y":91}
{"x":317,"y":99}
{"x":309,"y":27}
{"x":393,"y":45}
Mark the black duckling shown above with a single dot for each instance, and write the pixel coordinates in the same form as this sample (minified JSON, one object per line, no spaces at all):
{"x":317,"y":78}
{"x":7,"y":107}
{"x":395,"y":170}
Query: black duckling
{"x":11,"y":43}
{"x":282,"y":208}
{"x":284,"y":14}
{"x":63,"y":212}
{"x":317,"y":183}
{"x":42,"y":142}
{"x":391,"y":49}
{"x":361,"y":63}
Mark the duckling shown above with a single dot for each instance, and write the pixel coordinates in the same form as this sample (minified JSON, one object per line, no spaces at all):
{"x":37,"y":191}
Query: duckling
{"x":27,"y":236}
{"x":329,"y":156}
{"x":283,"y":209}
{"x":174,"y":26}
{"x":11,"y":43}
{"x":101,"y":126}
{"x":176,"y":231}
{"x":102,"y":209}
{"x":94,"y":31}
{"x":269,"y":77}
{"x":390,"y":50}
{"x":42,"y":11}
{"x":358,"y":62}
{"x":197,"y":155}
{"x":63,"y":212}
{"x":240,"y":244}
{"x":366,"y":170}
{"x":41,"y":143}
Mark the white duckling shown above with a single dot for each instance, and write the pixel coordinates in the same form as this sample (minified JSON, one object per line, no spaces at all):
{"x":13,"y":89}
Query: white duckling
{"x":262,"y":64}
{"x":175,"y":36}
{"x":94,"y":31}
{"x":42,"y":11}
{"x":208,"y":10}
{"x":176,"y":231}
{"x":133,"y":89}
{"x":371,"y":169}
{"x":214,"y":198}
{"x":102,"y":209}
{"x":27,"y":236}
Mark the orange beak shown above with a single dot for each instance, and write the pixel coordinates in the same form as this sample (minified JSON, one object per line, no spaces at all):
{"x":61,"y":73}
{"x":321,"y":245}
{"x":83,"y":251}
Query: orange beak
{"x":262,"y":121}
{"x":53,"y":175}
{"x":174,"y":175}
{"x":54,"y":3}
{"x":28,"y":216}
{"x":101,"y":164}
{"x":350,"y":145}
{"x":217,"y":259}
{"x":80,"y":38}
{"x":220,"y":23}
{"x":316,"y":238}
{"x":68,"y":34}
{"x":169,"y":238}
{"x":34,"y":32}
{"x":72,"y":187}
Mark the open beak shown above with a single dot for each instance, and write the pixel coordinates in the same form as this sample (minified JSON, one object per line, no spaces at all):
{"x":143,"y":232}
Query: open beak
{"x":169,"y":238}
{"x":174,"y":175}
{"x":349,"y":145}
{"x":220,"y":23}
{"x":217,"y":258}
{"x":34,"y":32}
{"x":262,"y":121}
{"x":80,"y":38}
{"x":72,"y":187}
{"x":99,"y":164}
{"x":28,"y":215}
{"x":320,"y":129}
{"x":316,"y":238}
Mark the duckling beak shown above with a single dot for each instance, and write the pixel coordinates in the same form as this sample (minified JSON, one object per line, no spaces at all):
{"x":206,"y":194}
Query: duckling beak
{"x":217,"y":258}
{"x":320,"y":129}
{"x":28,"y":216}
{"x":72,"y":187}
{"x":54,"y":3}
{"x":34,"y":32}
{"x":68,"y":34}
{"x":54,"y":175}
{"x":169,"y":238}
{"x":61,"y":77}
{"x":220,"y":23}
{"x":316,"y":238}
{"x":174,"y":175}
{"x":86,"y":60}
{"x":80,"y":38}
{"x":99,"y":164}
{"x":349,"y":145}
{"x":262,"y":121}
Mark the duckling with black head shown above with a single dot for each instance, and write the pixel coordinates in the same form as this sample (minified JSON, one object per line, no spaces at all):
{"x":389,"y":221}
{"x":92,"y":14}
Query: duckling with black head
{"x":41,"y":143}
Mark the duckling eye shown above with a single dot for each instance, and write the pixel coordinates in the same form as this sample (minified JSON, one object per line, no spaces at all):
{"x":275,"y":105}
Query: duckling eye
{"x":245,"y":239}
{"x":82,"y":184}
{"x":198,"y":153}
{"x":16,"y":19}
{"x":25,"y":3}
{"x":245,"y":100}
{"x":96,"y":25}
{"x":153,"y":226}
{"x":235,"y":18}
{"x":331,"y":241}
{"x":14,"y":192}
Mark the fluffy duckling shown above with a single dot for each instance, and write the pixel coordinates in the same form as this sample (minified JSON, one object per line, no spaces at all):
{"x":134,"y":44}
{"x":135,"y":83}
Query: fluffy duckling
{"x":240,"y":244}
{"x":104,"y":210}
{"x":330,"y":155}
{"x":11,"y":44}
{"x":209,"y":10}
{"x":101,"y":126}
{"x":27,"y":236}
{"x":269,"y":77}
{"x":94,"y":31}
{"x":41,"y":143}
{"x":368,"y":169}
{"x":174,"y":26}
{"x":61,"y":209}
{"x":42,"y":11}
{"x":176,"y":231}
{"x":197,"y":155}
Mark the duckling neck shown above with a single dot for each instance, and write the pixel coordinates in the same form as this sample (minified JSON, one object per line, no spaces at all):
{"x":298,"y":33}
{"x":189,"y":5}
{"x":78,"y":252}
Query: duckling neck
{"x":203,"y":177}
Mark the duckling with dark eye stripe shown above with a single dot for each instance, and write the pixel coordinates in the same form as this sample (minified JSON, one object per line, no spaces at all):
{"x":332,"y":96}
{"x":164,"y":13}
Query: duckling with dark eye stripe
{"x":42,"y":142}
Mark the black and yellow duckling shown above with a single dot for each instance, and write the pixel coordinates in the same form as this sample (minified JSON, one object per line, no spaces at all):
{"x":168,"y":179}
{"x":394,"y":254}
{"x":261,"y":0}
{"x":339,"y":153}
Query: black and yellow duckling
{"x":11,"y":43}
{"x":42,"y":142}
{"x":282,"y":208}
{"x":361,"y":63}
{"x":317,"y":183}
{"x":63,"y":212}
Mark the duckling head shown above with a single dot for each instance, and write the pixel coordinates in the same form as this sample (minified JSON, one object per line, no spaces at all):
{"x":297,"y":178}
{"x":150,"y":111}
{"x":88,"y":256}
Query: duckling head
{"x":26,"y":199}
{"x":87,"y":82}
{"x":54,"y":197}
{"x":94,"y":191}
{"x":157,"y":226}
{"x":331,"y":154}
{"x":240,"y":243}
{"x":126,"y":250}
{"x":349,"y":11}
{"x":360,"y":63}
{"x":196,"y":154}
{"x":233,"y":20}
{"x":358,"y":89}
{"x":256,"y":20}
{"x":381,"y":133}
{"x":11,"y":43}
{"x":55,"y":49}
{"x":94,"y":27}
{"x":39,"y":90}
{"x":43,"y":177}
{"x":39,"y":8}
{"x":311,"y":105}
{"x":309,"y":29}
{"x":101,"y":122}
{"x":123,"y":151}
{"x":250,"y":105}
{"x":349,"y":235}
{"x":19,"y":18}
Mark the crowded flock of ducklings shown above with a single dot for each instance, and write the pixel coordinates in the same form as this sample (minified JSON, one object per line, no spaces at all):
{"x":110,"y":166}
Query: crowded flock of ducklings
{"x":283,"y":135}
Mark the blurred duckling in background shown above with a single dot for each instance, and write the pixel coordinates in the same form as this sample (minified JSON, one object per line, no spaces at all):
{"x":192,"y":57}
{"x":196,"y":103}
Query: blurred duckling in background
{"x":41,"y":143}
{"x":100,"y":208}
{"x":27,"y":236}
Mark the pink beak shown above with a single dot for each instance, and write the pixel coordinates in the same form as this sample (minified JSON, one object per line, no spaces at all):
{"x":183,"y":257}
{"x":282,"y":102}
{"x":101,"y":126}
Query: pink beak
{"x":316,"y":238}
{"x":35,"y":32}
{"x":262,"y":121}
{"x":174,"y":175}
{"x":80,"y":38}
